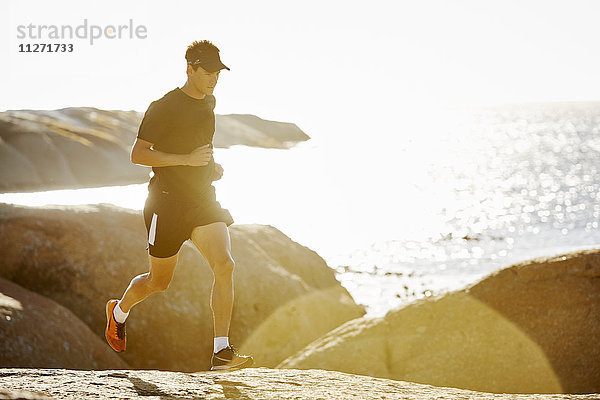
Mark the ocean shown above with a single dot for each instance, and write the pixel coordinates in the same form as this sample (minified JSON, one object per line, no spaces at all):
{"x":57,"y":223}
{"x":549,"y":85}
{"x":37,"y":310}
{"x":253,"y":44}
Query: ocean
{"x":421,"y":206}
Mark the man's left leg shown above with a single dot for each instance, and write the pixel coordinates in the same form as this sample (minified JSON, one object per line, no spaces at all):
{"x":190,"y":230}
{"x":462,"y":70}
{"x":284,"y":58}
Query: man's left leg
{"x":214,"y":243}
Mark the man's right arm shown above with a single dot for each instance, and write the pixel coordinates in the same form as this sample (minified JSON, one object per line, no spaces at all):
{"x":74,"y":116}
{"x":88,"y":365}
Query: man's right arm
{"x":142,"y":153}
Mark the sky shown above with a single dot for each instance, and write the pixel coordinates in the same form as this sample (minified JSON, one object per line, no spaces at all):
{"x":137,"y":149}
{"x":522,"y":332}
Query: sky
{"x":335,"y":68}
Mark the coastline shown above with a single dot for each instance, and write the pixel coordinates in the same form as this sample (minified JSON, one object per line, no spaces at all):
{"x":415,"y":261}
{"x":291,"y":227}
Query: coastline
{"x":507,"y":328}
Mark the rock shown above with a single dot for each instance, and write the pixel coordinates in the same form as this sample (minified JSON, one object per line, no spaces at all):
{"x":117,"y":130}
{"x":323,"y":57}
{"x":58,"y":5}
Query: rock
{"x":82,"y":256}
{"x":62,"y":148}
{"x":530,"y":328}
{"x":251,"y":383}
{"x":250,"y":130}
{"x":41,"y":150}
{"x":555,"y":301}
{"x":21,"y":395}
{"x":37,"y":332}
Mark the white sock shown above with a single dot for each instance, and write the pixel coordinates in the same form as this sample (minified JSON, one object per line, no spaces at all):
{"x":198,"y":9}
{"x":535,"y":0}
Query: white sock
{"x":119,"y":315}
{"x":221,"y":342}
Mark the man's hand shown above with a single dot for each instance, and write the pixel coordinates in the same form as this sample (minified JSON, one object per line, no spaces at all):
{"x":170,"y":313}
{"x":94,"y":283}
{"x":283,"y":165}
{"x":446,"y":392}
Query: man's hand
{"x":200,"y":156}
{"x":218,"y":172}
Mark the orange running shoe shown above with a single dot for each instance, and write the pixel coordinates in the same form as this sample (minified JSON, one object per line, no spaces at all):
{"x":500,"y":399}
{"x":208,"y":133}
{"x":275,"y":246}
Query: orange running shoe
{"x":115,"y":331}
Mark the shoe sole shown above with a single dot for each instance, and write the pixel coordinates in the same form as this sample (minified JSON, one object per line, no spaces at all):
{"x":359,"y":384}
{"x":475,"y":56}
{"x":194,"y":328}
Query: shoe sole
{"x":107,"y":325}
{"x":245,"y":364}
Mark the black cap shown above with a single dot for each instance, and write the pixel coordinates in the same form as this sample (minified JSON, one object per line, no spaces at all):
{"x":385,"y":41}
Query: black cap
{"x":210,"y":61}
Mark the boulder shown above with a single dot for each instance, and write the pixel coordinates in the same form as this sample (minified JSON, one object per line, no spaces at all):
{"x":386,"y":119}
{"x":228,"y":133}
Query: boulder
{"x":36,"y":332}
{"x":82,"y":256}
{"x":530,"y":328}
{"x":64,"y":148}
{"x":249,"y":383}
{"x":250,"y":130}
{"x":86,"y":147}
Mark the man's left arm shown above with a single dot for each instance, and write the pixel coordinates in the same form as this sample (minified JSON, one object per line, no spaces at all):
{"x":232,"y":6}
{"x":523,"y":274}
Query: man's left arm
{"x":217,"y":172}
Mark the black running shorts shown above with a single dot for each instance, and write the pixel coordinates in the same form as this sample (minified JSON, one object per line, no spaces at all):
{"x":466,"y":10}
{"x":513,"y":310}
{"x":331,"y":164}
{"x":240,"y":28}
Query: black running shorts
{"x":170,"y":221}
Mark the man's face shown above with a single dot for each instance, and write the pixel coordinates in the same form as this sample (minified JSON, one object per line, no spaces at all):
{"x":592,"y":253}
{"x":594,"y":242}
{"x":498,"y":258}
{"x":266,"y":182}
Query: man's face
{"x":202,"y":80}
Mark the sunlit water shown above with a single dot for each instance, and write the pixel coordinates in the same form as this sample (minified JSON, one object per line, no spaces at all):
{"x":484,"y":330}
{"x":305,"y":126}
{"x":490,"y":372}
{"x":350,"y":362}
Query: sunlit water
{"x":421,"y":209}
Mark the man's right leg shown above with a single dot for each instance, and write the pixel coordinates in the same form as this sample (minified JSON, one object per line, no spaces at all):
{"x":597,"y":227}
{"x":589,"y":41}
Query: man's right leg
{"x":156,"y":280}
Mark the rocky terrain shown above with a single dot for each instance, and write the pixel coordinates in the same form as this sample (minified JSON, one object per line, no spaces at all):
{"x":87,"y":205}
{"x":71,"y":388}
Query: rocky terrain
{"x":37,"y":332}
{"x":79,"y":257}
{"x":250,"y":384}
{"x":84,"y":147}
{"x":530,"y":328}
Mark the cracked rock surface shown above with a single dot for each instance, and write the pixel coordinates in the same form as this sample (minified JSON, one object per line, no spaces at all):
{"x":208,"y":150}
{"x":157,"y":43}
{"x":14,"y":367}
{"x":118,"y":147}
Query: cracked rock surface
{"x":251,"y":383}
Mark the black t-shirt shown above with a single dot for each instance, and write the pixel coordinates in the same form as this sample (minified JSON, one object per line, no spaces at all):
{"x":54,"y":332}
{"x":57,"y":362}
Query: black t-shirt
{"x":178,"y":123}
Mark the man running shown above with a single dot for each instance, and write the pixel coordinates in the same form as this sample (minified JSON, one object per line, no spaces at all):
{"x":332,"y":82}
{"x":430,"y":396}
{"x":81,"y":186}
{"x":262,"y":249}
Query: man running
{"x":175,"y":139}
